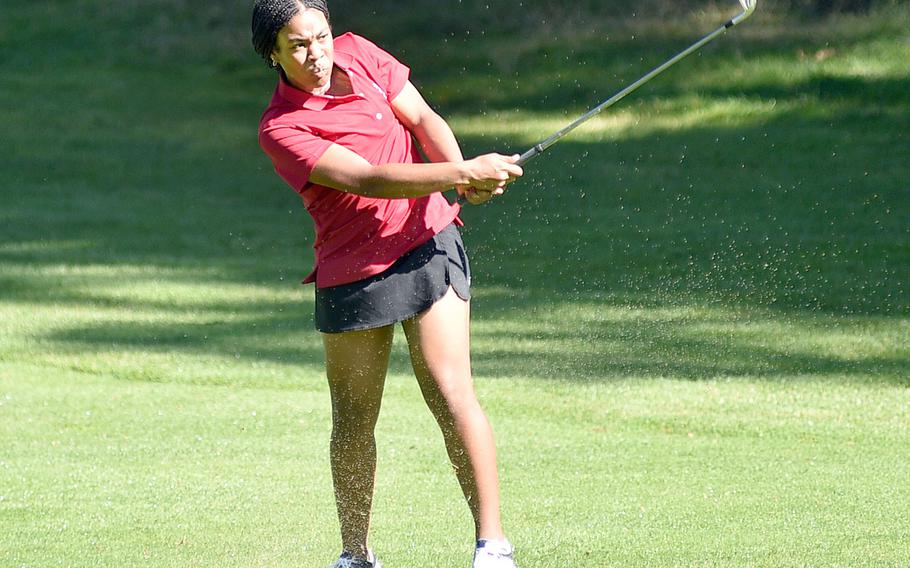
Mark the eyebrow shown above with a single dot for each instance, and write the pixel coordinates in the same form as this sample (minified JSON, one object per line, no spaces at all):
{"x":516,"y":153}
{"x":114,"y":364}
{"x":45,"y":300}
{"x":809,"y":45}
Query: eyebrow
{"x":295,"y":37}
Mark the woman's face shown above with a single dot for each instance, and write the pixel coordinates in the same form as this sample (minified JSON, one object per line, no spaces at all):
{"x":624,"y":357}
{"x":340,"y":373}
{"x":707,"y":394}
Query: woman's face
{"x":305,"y":51}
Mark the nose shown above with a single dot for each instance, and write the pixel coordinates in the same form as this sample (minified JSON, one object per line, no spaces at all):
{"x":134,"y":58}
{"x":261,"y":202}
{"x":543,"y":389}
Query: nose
{"x":316,"y":51}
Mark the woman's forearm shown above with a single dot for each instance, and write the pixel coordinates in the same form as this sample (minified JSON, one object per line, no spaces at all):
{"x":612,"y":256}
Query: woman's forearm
{"x":341,"y":169}
{"x":344,"y":170}
{"x":412,"y":180}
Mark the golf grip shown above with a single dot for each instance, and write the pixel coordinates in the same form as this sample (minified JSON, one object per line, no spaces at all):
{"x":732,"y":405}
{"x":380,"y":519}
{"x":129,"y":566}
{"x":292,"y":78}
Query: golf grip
{"x":522,"y":160}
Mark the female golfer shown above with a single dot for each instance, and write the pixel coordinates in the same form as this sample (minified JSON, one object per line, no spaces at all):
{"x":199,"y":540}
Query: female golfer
{"x":341,"y":131}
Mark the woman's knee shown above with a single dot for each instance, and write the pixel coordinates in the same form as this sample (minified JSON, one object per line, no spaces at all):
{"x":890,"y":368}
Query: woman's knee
{"x":453,"y":383}
{"x":357,"y":415}
{"x":454,"y":400}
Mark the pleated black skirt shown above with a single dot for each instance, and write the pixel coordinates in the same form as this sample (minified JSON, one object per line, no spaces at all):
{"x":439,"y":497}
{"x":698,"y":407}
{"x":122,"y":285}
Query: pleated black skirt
{"x":415,"y":282}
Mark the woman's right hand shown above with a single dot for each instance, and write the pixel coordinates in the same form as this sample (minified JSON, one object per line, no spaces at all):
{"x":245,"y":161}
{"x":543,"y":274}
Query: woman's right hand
{"x":492,"y":172}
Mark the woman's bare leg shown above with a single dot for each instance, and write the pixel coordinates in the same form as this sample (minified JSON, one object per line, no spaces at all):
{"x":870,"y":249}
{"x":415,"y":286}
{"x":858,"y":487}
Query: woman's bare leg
{"x":356,"y":364}
{"x":439,"y":342}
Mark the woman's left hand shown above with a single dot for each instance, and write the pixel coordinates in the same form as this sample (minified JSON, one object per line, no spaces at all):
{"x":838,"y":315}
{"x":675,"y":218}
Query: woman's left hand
{"x":476,"y":196}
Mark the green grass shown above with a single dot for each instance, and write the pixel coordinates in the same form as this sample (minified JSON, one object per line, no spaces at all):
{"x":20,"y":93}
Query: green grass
{"x":691,"y":324}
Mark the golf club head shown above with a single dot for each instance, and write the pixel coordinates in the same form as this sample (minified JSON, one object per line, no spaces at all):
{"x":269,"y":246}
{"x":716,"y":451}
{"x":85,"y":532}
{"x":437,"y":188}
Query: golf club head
{"x":748,"y":8}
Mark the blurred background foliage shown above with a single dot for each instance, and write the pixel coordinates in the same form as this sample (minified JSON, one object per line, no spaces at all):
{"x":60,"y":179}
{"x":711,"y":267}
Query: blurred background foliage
{"x":533,"y":15}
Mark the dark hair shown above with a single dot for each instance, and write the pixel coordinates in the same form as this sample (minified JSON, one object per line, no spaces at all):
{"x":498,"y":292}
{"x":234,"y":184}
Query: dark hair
{"x":269,"y":16}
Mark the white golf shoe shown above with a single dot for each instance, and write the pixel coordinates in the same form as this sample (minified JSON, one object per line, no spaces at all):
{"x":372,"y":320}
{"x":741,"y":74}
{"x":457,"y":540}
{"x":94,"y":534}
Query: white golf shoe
{"x":348,"y":561}
{"x":493,"y":554}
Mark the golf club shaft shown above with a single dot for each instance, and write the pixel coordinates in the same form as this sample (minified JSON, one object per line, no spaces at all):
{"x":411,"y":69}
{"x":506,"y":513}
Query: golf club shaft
{"x":539,"y":148}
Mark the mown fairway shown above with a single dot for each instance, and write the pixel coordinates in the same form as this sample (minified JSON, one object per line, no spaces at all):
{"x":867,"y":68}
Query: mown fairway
{"x":692,"y":318}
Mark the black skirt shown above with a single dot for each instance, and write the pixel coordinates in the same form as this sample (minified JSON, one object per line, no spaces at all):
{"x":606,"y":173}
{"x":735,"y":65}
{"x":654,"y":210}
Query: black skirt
{"x":415,"y":282}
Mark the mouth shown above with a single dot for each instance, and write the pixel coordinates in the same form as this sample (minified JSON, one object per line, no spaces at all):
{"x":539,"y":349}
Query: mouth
{"x":320,"y":68}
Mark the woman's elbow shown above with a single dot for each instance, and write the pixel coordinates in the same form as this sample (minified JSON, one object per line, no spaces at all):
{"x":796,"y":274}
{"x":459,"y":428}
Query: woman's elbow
{"x":360,"y":179}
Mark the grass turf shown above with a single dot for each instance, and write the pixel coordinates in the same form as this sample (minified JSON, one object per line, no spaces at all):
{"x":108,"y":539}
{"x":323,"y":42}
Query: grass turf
{"x":691,"y":318}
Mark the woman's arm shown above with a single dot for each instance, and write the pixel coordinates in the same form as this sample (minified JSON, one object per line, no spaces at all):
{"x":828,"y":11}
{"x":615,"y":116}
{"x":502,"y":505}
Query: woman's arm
{"x":345,"y":170}
{"x":434,"y":135}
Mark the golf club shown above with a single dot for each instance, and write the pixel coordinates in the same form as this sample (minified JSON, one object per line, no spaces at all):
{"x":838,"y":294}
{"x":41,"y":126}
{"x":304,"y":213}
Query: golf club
{"x":537,"y":149}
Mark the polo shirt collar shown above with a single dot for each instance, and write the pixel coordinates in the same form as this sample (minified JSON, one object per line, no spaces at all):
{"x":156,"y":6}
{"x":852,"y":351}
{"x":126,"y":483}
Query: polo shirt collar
{"x":309,"y":100}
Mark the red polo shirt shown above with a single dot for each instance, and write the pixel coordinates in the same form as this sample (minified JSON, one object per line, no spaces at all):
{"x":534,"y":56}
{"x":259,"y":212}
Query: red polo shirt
{"x":356,"y":236}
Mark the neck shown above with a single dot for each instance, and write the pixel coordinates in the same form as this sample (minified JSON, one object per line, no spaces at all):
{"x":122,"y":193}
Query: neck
{"x":339,"y":83}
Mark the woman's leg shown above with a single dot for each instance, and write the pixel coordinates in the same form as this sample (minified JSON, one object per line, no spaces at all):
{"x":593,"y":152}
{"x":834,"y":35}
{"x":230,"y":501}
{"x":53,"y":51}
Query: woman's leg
{"x":356,"y":363}
{"x":439,"y":342}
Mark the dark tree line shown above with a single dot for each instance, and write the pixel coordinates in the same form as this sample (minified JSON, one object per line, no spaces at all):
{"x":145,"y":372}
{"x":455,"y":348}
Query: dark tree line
{"x":824,"y":7}
{"x":448,"y":17}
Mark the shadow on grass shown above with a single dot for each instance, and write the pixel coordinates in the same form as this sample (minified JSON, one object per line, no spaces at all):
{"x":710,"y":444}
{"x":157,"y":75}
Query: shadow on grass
{"x":630,"y":225}
{"x":699,"y":347}
{"x":692,"y":348}
{"x":252,"y":338}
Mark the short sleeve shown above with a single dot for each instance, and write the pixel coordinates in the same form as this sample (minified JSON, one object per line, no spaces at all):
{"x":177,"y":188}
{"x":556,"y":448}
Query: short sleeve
{"x":389,"y":73}
{"x":294,"y":152}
